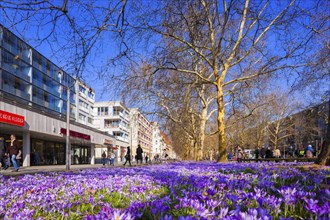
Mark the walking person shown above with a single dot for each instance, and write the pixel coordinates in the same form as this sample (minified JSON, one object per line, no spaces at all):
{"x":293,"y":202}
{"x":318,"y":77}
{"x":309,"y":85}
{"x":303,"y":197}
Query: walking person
{"x":139,"y":153}
{"x":239,"y":154}
{"x":14,"y":152}
{"x":269,"y":153}
{"x":104,"y":156}
{"x":263,"y":152}
{"x":128,"y":156}
{"x":4,"y":160}
{"x":146,"y":158}
{"x":256,"y":152}
{"x":108,"y":160}
{"x":112,"y":158}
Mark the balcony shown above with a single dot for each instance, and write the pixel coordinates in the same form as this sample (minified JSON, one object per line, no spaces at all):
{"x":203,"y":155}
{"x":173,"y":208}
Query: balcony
{"x":122,"y":139}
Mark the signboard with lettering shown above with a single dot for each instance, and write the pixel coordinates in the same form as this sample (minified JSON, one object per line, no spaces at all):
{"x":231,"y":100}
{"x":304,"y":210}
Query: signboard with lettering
{"x":12,"y":119}
{"x":76,"y":134}
{"x":108,"y":142}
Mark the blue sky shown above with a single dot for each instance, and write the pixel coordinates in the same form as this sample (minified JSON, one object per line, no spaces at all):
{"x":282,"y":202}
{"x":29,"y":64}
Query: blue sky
{"x":106,"y":48}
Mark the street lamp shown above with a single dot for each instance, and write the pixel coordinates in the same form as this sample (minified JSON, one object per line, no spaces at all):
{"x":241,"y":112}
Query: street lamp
{"x":67,"y":140}
{"x":67,"y":145}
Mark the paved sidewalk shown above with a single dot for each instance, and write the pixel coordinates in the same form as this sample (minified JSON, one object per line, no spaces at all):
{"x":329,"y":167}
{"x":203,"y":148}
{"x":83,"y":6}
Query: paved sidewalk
{"x":57,"y":168}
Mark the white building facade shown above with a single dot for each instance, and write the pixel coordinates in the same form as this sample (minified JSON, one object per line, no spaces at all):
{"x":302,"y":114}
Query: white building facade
{"x":85,"y":100}
{"x":113,"y":117}
{"x":141,"y":132}
{"x":157,"y":141}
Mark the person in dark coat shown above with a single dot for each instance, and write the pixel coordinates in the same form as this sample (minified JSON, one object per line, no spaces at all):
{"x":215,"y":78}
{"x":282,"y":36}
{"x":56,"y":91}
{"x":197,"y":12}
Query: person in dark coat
{"x":104,"y":158}
{"x":269,"y":153}
{"x":256,"y":152}
{"x":128,"y":156}
{"x":139,"y":153}
{"x":263,"y":152}
{"x":14,"y":152}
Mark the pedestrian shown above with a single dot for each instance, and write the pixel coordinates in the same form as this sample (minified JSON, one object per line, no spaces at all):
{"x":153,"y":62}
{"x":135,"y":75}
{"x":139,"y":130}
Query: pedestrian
{"x":112,"y":157}
{"x":291,"y":151}
{"x":269,"y":153}
{"x":229,"y":156}
{"x":104,"y":158}
{"x":108,"y":160}
{"x":309,"y":151}
{"x":139,"y":153}
{"x":146,"y":158}
{"x":277,"y":153}
{"x":4,"y":161}
{"x":14,"y":152}
{"x":263,"y":152}
{"x":128,"y":156}
{"x":239,"y":152}
{"x":256,"y":152}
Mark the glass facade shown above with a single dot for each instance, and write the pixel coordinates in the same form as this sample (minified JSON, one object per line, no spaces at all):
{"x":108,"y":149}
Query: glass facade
{"x":32,"y":78}
{"x":81,"y":154}
{"x":47,"y":153}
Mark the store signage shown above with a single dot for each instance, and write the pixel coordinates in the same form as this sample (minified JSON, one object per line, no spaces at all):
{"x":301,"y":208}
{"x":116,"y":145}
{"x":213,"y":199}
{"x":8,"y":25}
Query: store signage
{"x":76,"y":134}
{"x":10,"y":118}
{"x":108,"y":142}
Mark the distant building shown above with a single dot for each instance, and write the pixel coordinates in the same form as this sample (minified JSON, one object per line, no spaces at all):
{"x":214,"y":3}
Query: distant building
{"x":141,"y":132}
{"x":113,"y":117}
{"x":167,"y":148}
{"x":307,"y":127}
{"x":85,"y":101}
{"x":156,"y":140}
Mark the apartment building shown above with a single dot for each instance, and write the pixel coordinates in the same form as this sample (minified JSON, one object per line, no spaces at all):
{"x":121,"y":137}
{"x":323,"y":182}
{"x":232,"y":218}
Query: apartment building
{"x":85,"y":103}
{"x":33,"y":105}
{"x":113,"y":117}
{"x":167,"y":148}
{"x":156,"y":139}
{"x":141,"y":132}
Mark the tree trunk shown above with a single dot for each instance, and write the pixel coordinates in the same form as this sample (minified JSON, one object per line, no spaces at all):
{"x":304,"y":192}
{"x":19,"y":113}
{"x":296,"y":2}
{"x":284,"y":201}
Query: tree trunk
{"x":221,"y":125}
{"x":202,"y":134}
{"x":195,"y":144}
{"x":323,"y":157}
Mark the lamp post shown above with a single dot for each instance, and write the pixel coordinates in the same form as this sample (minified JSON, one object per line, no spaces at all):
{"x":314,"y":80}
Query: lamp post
{"x":67,"y":142}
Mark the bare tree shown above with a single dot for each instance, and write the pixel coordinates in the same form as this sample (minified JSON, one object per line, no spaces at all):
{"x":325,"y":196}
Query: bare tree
{"x":72,"y":30}
{"x":315,"y":77}
{"x":230,"y":39}
{"x":185,"y":102}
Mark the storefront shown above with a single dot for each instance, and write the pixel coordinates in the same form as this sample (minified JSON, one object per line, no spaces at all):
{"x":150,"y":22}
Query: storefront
{"x":43,"y":137}
{"x":80,"y":147}
{"x":47,"y":153}
{"x":10,"y":124}
{"x":80,"y":154}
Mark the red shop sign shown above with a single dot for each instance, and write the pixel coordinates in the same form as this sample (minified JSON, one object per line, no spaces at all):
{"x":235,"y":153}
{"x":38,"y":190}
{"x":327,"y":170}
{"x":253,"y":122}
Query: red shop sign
{"x":76,"y":134}
{"x":10,"y":118}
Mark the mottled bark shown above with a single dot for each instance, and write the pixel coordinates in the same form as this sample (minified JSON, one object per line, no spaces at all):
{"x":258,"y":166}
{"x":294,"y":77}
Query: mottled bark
{"x":324,"y":156}
{"x":221,"y":125}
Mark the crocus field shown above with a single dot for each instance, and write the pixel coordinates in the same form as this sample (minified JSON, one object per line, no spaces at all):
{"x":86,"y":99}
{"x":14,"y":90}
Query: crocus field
{"x":181,"y":190}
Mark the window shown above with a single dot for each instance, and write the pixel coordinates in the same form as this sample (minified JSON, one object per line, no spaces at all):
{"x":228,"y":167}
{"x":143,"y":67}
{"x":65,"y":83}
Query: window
{"x":101,"y":111}
{"x":90,"y":94}
{"x":117,"y":134}
{"x":82,"y":117}
{"x":83,"y":104}
{"x":82,"y":89}
{"x":90,"y":120}
{"x":111,"y":123}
